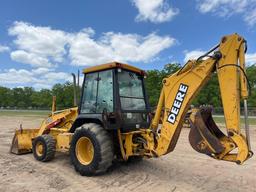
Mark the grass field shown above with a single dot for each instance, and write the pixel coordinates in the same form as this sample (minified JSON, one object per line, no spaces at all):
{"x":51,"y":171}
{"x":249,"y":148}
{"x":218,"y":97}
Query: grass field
{"x":42,"y":113}
{"x":252,"y":121}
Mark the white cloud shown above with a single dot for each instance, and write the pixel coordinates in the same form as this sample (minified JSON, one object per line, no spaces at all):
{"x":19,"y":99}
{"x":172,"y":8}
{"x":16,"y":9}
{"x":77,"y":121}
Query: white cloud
{"x":56,"y":76}
{"x":84,"y":50}
{"x":189,"y":55}
{"x":46,"y":47}
{"x":227,"y":8}
{"x":30,"y":58}
{"x":41,"y":70}
{"x":13,"y":76}
{"x":39,"y":86}
{"x":250,"y":59}
{"x":38,"y":78}
{"x":156,"y":11}
{"x":37,"y":45}
{"x":222,"y":7}
{"x":4,"y":49}
{"x":250,"y":18}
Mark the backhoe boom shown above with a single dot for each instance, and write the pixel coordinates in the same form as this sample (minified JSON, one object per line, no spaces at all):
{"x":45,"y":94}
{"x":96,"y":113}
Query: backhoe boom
{"x":180,"y":88}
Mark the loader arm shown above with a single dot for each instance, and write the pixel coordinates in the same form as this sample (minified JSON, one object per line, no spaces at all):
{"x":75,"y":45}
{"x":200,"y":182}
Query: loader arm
{"x":179,"y":89}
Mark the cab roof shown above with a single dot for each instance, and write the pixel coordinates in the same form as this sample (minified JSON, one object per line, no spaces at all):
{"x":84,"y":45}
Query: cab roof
{"x":113,"y":65}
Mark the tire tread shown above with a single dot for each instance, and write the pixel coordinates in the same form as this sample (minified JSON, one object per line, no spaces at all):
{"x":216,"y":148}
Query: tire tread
{"x":106,"y":149}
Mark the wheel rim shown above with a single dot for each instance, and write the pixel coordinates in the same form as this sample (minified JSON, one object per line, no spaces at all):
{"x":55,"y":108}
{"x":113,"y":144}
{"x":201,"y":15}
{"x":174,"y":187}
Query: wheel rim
{"x":39,"y":148}
{"x":84,"y":150}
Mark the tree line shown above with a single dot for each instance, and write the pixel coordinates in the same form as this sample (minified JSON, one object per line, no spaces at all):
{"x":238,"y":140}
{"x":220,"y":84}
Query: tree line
{"x":210,"y":93}
{"x":29,"y":98}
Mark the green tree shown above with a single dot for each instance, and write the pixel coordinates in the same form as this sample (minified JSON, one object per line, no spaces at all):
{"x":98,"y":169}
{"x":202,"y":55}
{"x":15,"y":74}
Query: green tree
{"x":210,"y":93}
{"x":28,"y":97}
{"x":64,"y":95}
{"x":18,"y":97}
{"x":5,"y":97}
{"x":154,"y":81}
{"x":251,"y":74}
{"x":28,"y":92}
{"x":42,"y":99}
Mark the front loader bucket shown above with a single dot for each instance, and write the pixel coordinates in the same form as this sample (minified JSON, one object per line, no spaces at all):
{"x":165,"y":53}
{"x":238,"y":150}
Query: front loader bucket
{"x":204,"y":135}
{"x":22,"y":141}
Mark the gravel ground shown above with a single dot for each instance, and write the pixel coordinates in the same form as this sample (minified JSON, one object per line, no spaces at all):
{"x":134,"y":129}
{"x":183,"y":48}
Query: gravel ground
{"x":182,"y":170}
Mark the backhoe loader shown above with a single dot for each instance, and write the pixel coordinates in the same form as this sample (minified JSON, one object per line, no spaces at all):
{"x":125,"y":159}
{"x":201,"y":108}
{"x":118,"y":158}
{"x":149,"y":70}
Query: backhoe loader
{"x":114,"y":121}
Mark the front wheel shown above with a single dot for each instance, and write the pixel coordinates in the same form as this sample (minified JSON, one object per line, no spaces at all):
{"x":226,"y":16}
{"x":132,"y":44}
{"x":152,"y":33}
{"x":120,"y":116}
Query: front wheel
{"x":91,"y":149}
{"x":44,"y":148}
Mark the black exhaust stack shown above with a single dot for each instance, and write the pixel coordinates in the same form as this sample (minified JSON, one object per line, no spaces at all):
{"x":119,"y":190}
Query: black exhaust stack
{"x":74,"y":84}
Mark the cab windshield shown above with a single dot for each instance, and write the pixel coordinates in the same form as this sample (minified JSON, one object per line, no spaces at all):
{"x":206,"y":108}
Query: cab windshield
{"x":131,"y":91}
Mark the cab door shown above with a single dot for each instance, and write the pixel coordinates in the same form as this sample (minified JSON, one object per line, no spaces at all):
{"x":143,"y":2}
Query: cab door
{"x":97,"y":93}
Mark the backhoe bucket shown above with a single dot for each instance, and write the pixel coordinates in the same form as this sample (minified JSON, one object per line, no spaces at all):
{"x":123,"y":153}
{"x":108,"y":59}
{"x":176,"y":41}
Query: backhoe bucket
{"x":204,"y":135}
{"x":22,"y":141}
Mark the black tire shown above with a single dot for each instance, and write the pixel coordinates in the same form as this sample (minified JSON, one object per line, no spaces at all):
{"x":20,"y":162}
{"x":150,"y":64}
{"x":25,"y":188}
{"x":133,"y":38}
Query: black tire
{"x":135,"y":159}
{"x":48,"y":144}
{"x":102,"y":146}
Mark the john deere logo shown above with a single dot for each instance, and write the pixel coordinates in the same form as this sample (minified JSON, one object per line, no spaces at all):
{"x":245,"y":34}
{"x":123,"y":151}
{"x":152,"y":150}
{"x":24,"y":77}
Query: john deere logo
{"x":177,"y":103}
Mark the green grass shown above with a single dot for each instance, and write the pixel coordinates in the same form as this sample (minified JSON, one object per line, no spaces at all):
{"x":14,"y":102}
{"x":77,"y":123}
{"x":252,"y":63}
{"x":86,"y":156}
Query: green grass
{"x":252,"y":121}
{"x":40,"y":113}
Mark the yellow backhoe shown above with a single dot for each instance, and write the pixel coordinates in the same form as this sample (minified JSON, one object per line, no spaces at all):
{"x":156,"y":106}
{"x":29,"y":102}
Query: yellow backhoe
{"x":114,"y":121}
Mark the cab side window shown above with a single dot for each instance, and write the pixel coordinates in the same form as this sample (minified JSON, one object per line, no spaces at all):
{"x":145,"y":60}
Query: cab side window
{"x":98,"y":92}
{"x":90,"y":93}
{"x":105,"y":92}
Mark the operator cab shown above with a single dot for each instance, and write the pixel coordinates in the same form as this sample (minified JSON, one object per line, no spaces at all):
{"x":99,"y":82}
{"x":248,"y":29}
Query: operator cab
{"x":114,"y":94}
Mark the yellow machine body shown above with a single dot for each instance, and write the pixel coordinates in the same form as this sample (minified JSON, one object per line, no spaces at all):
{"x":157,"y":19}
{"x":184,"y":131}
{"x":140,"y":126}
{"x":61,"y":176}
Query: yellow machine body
{"x":57,"y":124}
{"x":178,"y":91}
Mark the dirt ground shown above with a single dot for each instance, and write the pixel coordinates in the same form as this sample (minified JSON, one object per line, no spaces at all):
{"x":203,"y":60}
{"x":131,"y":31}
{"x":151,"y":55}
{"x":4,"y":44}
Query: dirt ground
{"x":182,"y":170}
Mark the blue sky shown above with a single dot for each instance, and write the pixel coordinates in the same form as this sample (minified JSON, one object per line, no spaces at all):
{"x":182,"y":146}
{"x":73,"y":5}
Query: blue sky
{"x":42,"y":42}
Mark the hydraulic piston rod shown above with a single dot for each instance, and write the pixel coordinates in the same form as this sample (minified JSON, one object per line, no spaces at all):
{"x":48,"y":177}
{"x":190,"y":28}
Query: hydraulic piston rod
{"x":247,"y":128}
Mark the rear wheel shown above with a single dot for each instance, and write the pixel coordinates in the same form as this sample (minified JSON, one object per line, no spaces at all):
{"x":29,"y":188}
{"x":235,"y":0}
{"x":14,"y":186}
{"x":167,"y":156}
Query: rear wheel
{"x":91,"y":149}
{"x":44,"y":148}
